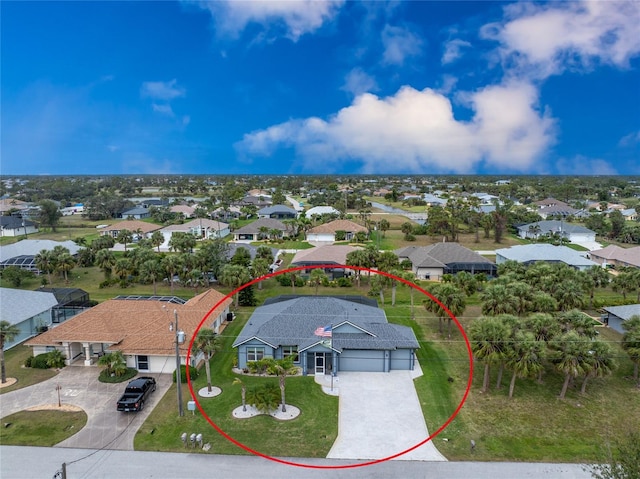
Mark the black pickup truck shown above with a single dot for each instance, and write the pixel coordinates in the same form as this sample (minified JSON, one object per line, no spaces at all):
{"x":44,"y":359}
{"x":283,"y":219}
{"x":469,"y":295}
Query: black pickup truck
{"x":136,"y":393}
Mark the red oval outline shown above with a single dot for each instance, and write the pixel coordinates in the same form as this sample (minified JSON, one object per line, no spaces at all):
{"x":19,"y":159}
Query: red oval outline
{"x":341,"y":466}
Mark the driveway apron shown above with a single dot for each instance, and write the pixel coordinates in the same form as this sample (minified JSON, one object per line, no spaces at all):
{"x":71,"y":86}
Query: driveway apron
{"x":380,"y":416}
{"x":106,"y":428}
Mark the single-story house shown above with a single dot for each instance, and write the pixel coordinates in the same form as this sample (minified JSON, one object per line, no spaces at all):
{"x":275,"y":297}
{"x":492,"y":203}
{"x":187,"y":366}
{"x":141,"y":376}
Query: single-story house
{"x":279,"y":212}
{"x":327,"y":231}
{"x":15,"y":226}
{"x":433,"y":261}
{"x":201,"y":228}
{"x":258,"y":201}
{"x":615,"y":316}
{"x":137,"y":213}
{"x":186,"y":210}
{"x":532,"y":253}
{"x":260,"y":229}
{"x":574,"y":233}
{"x":326,"y":335}
{"x":29,"y":311}
{"x":155,"y":202}
{"x":321,"y":210}
{"x":141,"y":327}
{"x":327,"y":254}
{"x":226,"y":213}
{"x":8,"y":204}
{"x":554,"y":207}
{"x":433,"y":200}
{"x":616,"y":256}
{"x":23,"y":253}
{"x":630,"y":214}
{"x":130,"y":225}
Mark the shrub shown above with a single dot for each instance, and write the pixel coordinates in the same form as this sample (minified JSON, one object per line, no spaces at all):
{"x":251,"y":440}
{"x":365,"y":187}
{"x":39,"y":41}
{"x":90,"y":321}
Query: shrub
{"x":106,"y":377}
{"x":193,"y":374}
{"x":28,"y":361}
{"x":344,"y":282}
{"x":40,"y":361}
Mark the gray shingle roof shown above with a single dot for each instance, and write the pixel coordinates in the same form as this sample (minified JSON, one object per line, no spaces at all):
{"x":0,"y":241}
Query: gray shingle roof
{"x":624,"y":312}
{"x":293,"y":322}
{"x":555,"y":226}
{"x":268,"y":210}
{"x":439,"y":255}
{"x":254,"y":228}
{"x":33,"y":247}
{"x":545,"y":252}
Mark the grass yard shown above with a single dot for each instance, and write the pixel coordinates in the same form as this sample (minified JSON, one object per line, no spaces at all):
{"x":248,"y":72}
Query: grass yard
{"x":43,"y":428}
{"x":14,"y":360}
{"x":309,"y":435}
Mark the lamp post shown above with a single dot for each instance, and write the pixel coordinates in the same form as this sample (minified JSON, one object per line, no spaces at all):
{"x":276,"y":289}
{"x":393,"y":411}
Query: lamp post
{"x":179,"y":337}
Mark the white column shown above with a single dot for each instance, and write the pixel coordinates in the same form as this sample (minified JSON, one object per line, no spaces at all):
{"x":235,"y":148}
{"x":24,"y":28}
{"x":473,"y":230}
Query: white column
{"x":87,"y":354}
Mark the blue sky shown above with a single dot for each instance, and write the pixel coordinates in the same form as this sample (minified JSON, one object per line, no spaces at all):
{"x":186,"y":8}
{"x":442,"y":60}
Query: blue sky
{"x":320,"y":87}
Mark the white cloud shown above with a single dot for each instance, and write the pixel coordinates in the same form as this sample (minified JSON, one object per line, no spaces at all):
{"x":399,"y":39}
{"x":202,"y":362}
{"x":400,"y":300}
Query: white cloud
{"x":581,"y":165}
{"x":357,"y":81}
{"x":543,"y":40}
{"x":399,"y":43}
{"x":630,"y":139}
{"x":453,"y":50}
{"x":291,"y":19}
{"x":162,"y":90}
{"x":163,"y":108}
{"x":418,"y":132}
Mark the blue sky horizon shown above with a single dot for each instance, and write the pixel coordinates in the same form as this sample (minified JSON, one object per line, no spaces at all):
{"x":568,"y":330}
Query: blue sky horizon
{"x":320,"y":87}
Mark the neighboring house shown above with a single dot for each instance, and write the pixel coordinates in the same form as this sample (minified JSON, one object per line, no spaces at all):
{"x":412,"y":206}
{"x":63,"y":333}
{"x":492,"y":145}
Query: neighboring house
{"x":253,"y":250}
{"x":552,"y":207}
{"x":329,"y":255}
{"x":433,"y":200}
{"x":137,"y":213}
{"x":321,"y":210}
{"x":615,"y":316}
{"x":573,"y":233}
{"x":327,"y":232}
{"x":227,"y":214}
{"x":130,"y":225}
{"x":186,"y":210}
{"x":486,"y":198}
{"x":258,"y":201}
{"x":8,"y":204}
{"x":433,"y":261}
{"x":201,"y":228}
{"x":22,"y":254}
{"x":533,"y":253}
{"x":630,"y":214}
{"x":72,"y":210}
{"x":326,"y":334}
{"x":260,"y":229}
{"x":36,"y":311}
{"x":13,"y":226}
{"x":279,"y":212}
{"x":142,"y":328}
{"x":616,"y":256}
{"x":156,"y":202}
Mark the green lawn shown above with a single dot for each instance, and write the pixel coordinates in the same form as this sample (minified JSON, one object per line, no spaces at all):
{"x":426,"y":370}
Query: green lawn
{"x":40,"y":428}
{"x":14,"y":361}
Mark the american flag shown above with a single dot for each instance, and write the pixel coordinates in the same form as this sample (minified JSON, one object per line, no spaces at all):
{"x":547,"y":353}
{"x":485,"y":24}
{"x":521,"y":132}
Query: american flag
{"x":324,"y":332}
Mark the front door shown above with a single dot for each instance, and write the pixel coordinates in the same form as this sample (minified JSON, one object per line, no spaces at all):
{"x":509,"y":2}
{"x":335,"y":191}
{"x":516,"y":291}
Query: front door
{"x":319,"y":363}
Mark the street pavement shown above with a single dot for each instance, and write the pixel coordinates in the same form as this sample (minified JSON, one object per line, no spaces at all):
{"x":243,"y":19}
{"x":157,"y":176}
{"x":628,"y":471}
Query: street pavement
{"x":79,"y":386}
{"x":43,"y":463}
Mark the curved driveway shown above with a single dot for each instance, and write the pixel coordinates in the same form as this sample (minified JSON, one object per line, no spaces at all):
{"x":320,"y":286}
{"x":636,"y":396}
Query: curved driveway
{"x":106,"y":428}
{"x":380,"y":416}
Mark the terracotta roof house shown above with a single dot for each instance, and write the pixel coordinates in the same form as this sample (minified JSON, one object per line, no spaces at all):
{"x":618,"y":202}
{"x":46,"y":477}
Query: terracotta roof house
{"x":279,"y":212}
{"x":433,"y":261}
{"x":616,"y":256}
{"x":533,"y":253}
{"x":327,"y":254}
{"x":327,"y":232}
{"x":141,"y":327}
{"x":8,"y":204}
{"x":15,"y":226}
{"x":131,"y":225}
{"x":574,"y":233}
{"x":615,"y":316}
{"x":327,"y":335}
{"x":186,"y":210}
{"x":201,"y":228}
{"x":253,"y":231}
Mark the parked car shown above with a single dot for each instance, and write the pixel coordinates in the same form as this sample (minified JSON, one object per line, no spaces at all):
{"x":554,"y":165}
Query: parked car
{"x":136,"y":393}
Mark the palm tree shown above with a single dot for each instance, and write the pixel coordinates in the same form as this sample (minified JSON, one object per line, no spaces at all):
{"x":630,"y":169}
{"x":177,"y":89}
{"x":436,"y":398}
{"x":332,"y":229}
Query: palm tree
{"x":452,"y":298}
{"x":600,"y":362}
{"x":151,"y":270}
{"x":44,"y":262}
{"x":243,"y":392}
{"x":595,"y":277}
{"x":157,"y":238}
{"x":384,"y":225}
{"x":357,"y":258}
{"x":234,"y":276}
{"x":171,"y":264}
{"x":208,"y":343}
{"x":570,"y":357}
{"x":114,"y":363}
{"x":125,"y":236}
{"x":105,"y":260}
{"x":8,"y":333}
{"x":498,"y":299}
{"x":260,"y":268}
{"x":524,"y":296}
{"x":488,"y":336}
{"x":623,"y":282}
{"x":65,"y":263}
{"x":543,"y":302}
{"x":55,"y":359}
{"x":282,"y":368}
{"x":569,"y":295}
{"x":317,"y":277}
{"x":631,"y":342}
{"x":579,"y":322}
{"x":525,"y":357}
{"x":410,"y":278}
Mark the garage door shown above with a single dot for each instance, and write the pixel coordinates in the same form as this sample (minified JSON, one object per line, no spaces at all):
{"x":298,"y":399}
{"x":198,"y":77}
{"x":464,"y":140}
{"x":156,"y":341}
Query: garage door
{"x":401,"y":360}
{"x":362,"y":360}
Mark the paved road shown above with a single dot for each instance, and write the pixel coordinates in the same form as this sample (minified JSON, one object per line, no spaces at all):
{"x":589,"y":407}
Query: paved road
{"x":42,"y":463}
{"x":80,"y":387}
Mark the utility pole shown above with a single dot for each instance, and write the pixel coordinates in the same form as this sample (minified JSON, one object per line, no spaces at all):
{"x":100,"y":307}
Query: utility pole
{"x":178,"y":371}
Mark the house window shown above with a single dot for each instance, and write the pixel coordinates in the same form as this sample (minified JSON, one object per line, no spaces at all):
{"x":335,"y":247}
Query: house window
{"x":290,"y":351}
{"x":255,"y":354}
{"x":142,"y":363}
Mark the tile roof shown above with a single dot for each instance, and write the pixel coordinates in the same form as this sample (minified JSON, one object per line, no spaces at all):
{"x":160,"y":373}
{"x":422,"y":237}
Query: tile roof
{"x":338,"y":225}
{"x":132,"y":225}
{"x":321,"y":254}
{"x":439,"y":255}
{"x":625,"y":255}
{"x":136,"y":327}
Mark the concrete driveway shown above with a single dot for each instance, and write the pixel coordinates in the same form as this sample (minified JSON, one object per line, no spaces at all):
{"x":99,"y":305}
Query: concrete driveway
{"x":79,"y":386}
{"x":380,"y":416}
